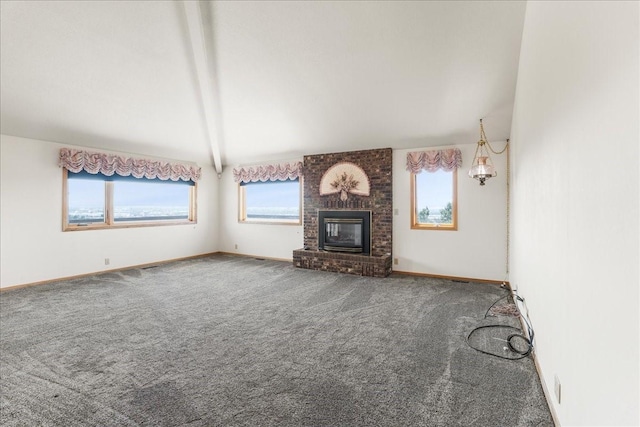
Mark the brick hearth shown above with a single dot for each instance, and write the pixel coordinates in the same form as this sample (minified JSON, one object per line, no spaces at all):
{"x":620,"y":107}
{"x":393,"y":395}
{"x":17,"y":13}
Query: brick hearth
{"x":341,"y":262}
{"x":377,"y":164}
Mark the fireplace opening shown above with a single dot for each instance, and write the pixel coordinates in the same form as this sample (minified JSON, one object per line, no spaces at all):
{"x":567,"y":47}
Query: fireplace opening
{"x":344,"y":231}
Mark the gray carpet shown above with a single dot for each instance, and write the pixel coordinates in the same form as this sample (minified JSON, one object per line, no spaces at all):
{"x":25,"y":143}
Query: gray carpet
{"x":226,"y":340}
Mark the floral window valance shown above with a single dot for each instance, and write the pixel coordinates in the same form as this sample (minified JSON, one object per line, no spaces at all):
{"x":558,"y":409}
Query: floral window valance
{"x":263,"y":173}
{"x":431,"y":161}
{"x":107,"y":164}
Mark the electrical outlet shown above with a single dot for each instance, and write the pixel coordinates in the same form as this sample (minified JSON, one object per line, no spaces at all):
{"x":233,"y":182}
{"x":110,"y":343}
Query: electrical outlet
{"x":395,"y":261}
{"x":395,"y":211}
{"x":106,"y":261}
{"x":558,"y":389}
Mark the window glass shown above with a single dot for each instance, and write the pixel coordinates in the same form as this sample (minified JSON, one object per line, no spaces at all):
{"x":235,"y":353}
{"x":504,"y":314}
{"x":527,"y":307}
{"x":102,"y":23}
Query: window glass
{"x":98,"y":201}
{"x":86,"y":201}
{"x":434,"y":200}
{"x":152,"y":200}
{"x":273,"y":201}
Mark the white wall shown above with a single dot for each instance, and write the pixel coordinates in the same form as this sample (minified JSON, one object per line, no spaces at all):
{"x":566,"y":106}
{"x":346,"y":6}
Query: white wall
{"x":261,"y":240}
{"x":34,"y":248}
{"x":477,"y":249}
{"x":575,"y":233}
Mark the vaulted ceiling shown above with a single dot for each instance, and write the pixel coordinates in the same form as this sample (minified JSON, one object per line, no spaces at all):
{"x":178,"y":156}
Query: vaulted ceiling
{"x":228,"y":83}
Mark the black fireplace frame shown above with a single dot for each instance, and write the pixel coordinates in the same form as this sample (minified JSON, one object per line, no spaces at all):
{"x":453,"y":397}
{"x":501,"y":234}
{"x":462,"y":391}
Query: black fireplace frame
{"x":345,"y":214}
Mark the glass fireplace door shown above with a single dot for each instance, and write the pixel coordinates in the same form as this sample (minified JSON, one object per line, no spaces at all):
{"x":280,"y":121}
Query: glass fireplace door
{"x":343,"y":234}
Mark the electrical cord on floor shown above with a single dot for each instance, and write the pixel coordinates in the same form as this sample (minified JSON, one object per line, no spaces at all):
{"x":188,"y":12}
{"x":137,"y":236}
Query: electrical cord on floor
{"x":522,"y":353}
{"x":521,"y":349}
{"x":525,"y":318}
{"x":486,"y":314}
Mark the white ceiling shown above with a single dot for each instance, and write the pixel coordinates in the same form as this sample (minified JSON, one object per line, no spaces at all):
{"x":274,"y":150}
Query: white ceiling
{"x":288,"y":78}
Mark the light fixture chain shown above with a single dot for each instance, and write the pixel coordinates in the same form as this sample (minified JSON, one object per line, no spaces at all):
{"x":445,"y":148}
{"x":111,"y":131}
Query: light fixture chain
{"x":508,"y":213}
{"x":497,"y":152}
{"x":484,"y":140}
{"x":483,"y":136}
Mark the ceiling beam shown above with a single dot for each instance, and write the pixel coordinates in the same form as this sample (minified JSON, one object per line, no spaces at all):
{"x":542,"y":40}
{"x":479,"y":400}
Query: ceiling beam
{"x":209,"y":93}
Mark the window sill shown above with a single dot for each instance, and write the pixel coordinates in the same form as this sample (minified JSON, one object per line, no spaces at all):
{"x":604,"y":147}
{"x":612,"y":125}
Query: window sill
{"x":269,"y":222}
{"x":125,"y":224}
{"x":434,"y":227}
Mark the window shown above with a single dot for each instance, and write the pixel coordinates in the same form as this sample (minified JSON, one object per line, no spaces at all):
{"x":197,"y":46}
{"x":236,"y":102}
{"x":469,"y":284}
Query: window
{"x":433,"y":200}
{"x":95,"y":201}
{"x":270,"y":202}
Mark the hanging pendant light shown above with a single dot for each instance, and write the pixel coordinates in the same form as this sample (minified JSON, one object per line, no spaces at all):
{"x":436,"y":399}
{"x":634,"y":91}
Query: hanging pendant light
{"x":482,"y":166}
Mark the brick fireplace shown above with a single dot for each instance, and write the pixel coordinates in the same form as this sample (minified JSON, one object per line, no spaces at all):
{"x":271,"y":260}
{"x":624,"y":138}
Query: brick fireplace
{"x":377,"y":165}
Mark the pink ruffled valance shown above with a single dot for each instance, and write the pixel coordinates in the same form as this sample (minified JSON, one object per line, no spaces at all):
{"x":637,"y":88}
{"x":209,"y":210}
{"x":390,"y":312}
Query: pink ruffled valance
{"x":108,"y":164}
{"x":431,"y":161}
{"x":263,"y":173}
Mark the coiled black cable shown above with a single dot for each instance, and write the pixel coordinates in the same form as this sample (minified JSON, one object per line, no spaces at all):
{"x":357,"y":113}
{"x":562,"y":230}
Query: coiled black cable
{"x":524,"y":353}
{"x":512,"y":345}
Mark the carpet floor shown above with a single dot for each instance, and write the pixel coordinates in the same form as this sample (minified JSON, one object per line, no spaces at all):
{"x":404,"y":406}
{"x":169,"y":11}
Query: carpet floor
{"x":232,"y":341}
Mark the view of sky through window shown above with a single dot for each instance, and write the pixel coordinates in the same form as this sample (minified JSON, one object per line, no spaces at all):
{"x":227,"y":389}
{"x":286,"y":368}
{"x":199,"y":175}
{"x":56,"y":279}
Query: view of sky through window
{"x":273,"y":200}
{"x":150,"y":199}
{"x":433,"y":191}
{"x":131,"y":200}
{"x":85,"y":200}
{"x":86,"y":194}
